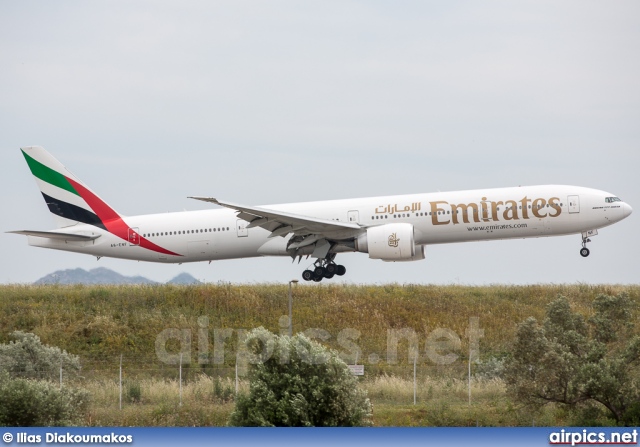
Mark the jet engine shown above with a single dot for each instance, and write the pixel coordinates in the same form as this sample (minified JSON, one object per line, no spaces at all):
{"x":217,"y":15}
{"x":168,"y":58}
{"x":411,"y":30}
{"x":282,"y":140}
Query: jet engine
{"x":390,"y":242}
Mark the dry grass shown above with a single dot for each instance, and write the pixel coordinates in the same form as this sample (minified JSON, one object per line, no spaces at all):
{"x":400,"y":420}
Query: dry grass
{"x":445,"y":402}
{"x":397,"y":390}
{"x":440,"y":402}
{"x":203,"y":401}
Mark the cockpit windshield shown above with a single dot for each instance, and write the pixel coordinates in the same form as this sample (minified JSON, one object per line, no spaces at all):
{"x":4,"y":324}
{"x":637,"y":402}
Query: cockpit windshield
{"x":612,"y":199}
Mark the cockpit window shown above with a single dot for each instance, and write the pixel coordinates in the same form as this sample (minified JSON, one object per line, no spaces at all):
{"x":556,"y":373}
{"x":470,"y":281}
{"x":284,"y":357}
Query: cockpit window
{"x":612,"y":199}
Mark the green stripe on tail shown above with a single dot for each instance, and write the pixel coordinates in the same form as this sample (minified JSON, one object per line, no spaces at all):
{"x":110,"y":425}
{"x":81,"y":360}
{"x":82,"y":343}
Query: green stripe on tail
{"x":48,"y":175}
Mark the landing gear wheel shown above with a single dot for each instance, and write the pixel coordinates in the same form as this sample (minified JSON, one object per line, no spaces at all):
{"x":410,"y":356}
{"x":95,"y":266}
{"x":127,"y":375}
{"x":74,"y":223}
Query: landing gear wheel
{"x":323,"y":268}
{"x":584,"y":252}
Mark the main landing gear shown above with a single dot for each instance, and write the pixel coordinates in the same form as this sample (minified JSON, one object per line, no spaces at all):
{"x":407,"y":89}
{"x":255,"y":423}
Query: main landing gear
{"x":584,"y":251}
{"x":324,"y":268}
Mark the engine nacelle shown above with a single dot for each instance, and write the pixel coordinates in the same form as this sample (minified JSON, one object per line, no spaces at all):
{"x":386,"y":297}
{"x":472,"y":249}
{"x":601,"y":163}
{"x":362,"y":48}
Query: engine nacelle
{"x":390,"y":242}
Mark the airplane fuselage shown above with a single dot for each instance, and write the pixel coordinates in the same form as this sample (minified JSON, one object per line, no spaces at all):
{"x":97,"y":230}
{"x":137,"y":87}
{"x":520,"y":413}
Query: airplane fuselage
{"x":437,"y":218}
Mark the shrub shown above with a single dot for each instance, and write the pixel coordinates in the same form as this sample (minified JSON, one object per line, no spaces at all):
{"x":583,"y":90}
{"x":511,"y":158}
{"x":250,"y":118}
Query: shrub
{"x":222,"y":392}
{"x":27,"y":357}
{"x":29,"y":402}
{"x":294,"y":381}
{"x":29,"y":398}
{"x":490,"y":369}
{"x":134,"y":392}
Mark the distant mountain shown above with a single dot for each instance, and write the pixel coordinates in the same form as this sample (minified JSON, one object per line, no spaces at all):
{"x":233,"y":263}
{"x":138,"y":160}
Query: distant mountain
{"x":184,"y":279}
{"x":102,"y":275}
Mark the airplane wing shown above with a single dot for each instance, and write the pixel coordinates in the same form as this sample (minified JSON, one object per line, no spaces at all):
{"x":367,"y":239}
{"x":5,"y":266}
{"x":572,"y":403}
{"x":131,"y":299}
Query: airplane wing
{"x":56,"y":235}
{"x":281,"y":223}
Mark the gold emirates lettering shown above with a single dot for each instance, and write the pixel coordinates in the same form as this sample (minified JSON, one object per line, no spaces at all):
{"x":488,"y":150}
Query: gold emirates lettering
{"x":489,"y":211}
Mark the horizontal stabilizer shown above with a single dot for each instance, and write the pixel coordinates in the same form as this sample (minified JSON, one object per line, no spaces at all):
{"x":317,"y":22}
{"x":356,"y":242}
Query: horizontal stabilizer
{"x":57,"y":235}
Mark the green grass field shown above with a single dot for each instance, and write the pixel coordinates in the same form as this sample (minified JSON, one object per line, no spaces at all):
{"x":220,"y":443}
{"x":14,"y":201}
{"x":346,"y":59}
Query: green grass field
{"x":101,"y":324}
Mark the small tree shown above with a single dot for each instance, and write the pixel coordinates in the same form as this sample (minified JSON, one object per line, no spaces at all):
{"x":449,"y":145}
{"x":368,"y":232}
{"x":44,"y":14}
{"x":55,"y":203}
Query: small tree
{"x":295,"y":381}
{"x":27,"y":357}
{"x":29,"y":396}
{"x":574,"y":361}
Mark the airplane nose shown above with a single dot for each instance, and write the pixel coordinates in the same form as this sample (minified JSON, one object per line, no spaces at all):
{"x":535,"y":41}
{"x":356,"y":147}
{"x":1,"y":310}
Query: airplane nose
{"x":626,"y":210}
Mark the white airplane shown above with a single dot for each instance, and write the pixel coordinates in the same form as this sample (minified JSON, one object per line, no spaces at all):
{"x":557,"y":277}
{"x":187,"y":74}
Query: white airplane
{"x":392,"y":228}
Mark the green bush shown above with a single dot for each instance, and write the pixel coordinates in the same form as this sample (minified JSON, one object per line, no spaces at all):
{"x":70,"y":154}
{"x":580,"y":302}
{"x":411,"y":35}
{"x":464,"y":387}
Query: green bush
{"x":294,"y":381}
{"x":134,"y":392}
{"x":222,"y":392}
{"x":30,"y":397}
{"x":29,"y":402}
{"x":489,"y":369}
{"x":27,"y":357}
{"x":580,"y":362}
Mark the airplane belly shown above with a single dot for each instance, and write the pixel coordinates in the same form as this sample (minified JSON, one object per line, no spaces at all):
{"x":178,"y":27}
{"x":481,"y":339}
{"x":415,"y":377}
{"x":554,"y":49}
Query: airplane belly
{"x":200,"y":250}
{"x":241,"y":247}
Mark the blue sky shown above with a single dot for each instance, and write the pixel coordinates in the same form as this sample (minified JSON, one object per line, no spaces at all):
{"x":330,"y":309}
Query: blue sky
{"x":149,"y":102}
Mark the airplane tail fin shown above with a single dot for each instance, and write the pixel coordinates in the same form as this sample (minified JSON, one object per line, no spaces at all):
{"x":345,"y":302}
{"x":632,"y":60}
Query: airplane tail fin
{"x":68,"y":199}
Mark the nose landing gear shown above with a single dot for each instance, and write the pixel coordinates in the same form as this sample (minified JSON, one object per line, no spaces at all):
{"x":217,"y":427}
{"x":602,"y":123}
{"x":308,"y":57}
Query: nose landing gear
{"x":584,"y":251}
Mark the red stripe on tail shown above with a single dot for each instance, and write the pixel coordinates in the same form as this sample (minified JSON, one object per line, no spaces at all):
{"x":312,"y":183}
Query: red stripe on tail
{"x":112,"y":220}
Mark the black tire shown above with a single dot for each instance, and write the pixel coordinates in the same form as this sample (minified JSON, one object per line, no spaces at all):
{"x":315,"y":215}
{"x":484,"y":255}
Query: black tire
{"x":331,"y":268}
{"x":307,"y":275}
{"x":320,"y":271}
{"x":584,"y":252}
{"x":340,"y":270}
{"x":329,"y":275}
{"x":317,"y":278}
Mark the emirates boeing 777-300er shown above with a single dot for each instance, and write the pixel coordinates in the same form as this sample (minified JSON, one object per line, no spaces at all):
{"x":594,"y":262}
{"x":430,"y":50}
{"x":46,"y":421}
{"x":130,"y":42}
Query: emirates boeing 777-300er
{"x":392,"y":228}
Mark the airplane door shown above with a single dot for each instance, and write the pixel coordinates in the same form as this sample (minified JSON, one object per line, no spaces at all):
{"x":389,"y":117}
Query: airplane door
{"x":134,"y":237}
{"x":353,"y":216}
{"x":241,"y":228}
{"x":574,"y":204}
